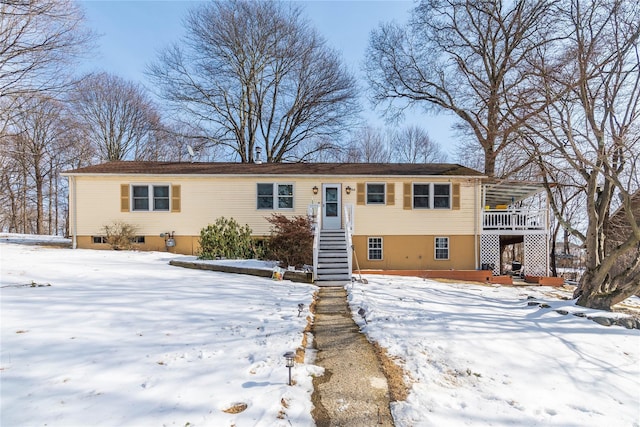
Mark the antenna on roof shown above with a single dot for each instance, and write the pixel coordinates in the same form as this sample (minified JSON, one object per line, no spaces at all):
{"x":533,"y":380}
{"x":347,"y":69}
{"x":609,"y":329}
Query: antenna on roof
{"x":191,"y":152}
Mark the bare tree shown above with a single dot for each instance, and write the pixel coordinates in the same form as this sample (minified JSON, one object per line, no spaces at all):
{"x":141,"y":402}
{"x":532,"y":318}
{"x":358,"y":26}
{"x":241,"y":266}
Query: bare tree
{"x":38,"y":40}
{"x":117,"y":115}
{"x":591,"y":133}
{"x":37,"y":147}
{"x":256,"y":74}
{"x":467,"y":57}
{"x":367,"y":145}
{"x":413,"y":145}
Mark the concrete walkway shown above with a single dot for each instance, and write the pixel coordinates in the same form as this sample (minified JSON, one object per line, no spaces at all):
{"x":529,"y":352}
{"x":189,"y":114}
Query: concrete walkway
{"x":353,"y":391}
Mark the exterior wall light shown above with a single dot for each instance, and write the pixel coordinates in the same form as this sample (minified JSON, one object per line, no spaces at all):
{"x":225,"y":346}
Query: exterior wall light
{"x":315,"y":189}
{"x":289,"y":356}
{"x":348,"y":189}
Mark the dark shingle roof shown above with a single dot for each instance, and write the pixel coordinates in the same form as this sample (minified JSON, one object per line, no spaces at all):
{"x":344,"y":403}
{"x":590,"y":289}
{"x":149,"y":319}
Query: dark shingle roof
{"x":219,"y":168}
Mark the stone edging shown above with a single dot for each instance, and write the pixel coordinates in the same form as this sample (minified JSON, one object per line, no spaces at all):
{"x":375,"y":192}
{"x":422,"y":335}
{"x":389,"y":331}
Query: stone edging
{"x":294,"y":276}
{"x":627,"y":322}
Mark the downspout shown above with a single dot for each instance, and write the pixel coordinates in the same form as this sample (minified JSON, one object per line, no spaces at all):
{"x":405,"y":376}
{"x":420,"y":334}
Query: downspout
{"x":73,"y":224}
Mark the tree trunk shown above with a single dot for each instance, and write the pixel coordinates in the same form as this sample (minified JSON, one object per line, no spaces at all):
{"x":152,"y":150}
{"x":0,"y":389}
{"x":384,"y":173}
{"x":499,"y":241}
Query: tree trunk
{"x":39,"y":181}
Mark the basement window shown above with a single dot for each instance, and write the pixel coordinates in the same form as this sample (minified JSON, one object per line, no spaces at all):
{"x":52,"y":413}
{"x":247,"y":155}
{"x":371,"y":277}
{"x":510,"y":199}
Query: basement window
{"x":442,"y":248}
{"x":375,"y":248}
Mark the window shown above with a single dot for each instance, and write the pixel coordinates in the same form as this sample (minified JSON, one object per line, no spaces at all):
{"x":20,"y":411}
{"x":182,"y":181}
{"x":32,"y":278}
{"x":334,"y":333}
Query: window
{"x":431,"y":196}
{"x":160,"y":201}
{"x":421,"y":196}
{"x":265,"y":196}
{"x":375,"y":194}
{"x":161,"y":198}
{"x":441,"y":196}
{"x":442,"y":248}
{"x":285,"y":196}
{"x":275,"y":196}
{"x":140,"y":198}
{"x":137,"y":239}
{"x":375,"y":248}
{"x":99,"y":239}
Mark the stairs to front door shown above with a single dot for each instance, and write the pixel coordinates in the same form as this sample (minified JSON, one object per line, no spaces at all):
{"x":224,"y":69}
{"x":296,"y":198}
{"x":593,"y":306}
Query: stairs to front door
{"x":333,"y":258}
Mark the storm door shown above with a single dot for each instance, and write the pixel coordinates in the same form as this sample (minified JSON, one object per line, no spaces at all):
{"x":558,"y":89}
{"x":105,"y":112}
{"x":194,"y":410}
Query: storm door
{"x":331,"y":207}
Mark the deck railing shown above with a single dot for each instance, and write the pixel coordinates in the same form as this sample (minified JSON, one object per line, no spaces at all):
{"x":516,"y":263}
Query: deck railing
{"x":514,"y":219}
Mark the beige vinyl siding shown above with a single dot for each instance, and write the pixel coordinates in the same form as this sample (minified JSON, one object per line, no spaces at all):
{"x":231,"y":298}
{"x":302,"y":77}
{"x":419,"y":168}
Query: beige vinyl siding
{"x":401,"y":219}
{"x":100,"y":201}
{"x":202,"y":200}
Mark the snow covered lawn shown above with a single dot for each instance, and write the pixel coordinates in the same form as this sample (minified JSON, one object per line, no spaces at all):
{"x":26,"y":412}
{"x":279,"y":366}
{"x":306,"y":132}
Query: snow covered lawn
{"x":481,"y":356}
{"x":124,"y":339}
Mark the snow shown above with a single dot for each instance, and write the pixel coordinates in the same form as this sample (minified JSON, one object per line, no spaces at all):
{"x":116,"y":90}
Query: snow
{"x":122,"y":338}
{"x":108,"y":338}
{"x":481,"y":356}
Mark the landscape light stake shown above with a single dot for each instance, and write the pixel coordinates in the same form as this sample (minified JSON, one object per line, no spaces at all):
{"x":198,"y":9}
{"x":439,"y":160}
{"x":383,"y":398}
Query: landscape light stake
{"x":289,"y":355}
{"x":363,"y":314}
{"x":300,"y":308}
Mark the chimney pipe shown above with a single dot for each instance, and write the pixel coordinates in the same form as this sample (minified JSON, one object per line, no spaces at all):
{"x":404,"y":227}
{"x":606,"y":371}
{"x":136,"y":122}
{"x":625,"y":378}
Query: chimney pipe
{"x":257,"y":160}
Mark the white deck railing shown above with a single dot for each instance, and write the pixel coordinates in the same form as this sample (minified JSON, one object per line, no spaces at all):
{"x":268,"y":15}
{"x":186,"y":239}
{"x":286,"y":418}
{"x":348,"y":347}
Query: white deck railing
{"x":514,"y":219}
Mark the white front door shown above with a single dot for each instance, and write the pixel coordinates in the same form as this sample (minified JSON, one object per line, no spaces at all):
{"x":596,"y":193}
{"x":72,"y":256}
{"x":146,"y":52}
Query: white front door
{"x":331,"y":207}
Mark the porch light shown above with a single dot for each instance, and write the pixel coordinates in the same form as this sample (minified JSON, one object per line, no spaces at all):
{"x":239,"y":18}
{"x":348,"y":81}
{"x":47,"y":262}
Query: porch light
{"x":348,"y":189}
{"x":289,"y":356}
{"x":315,"y":189}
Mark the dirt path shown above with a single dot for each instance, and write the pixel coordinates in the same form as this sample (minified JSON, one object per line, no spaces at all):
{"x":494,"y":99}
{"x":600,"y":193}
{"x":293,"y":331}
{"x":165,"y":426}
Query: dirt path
{"x":353,"y":391}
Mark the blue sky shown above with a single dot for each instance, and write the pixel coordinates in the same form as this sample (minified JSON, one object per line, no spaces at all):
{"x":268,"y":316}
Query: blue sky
{"x":132,"y":32}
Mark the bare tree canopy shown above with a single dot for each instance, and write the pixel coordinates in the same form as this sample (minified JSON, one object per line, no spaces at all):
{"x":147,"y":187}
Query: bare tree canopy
{"x":412,"y":144}
{"x":39,"y":143}
{"x":256,"y":74}
{"x":468,"y":57}
{"x":117,"y":116}
{"x":38,"y":38}
{"x":589,"y":139}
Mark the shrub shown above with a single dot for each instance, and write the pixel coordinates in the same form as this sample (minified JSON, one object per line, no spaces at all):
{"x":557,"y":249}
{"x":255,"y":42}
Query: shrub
{"x":119,"y":235}
{"x":291,"y":240}
{"x":226,"y":239}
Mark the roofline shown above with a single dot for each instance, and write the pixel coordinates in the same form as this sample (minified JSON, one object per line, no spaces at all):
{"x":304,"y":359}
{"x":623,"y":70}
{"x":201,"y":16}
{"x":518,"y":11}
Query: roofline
{"x":209,"y":175}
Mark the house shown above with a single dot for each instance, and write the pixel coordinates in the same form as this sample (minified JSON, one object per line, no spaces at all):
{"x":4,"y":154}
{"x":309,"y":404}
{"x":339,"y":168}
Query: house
{"x":395,"y":216}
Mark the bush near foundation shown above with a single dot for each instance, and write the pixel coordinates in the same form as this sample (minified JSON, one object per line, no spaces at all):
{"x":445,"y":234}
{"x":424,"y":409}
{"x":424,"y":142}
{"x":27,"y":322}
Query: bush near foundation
{"x":119,"y":235}
{"x":291,"y":240}
{"x":226,"y":239}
